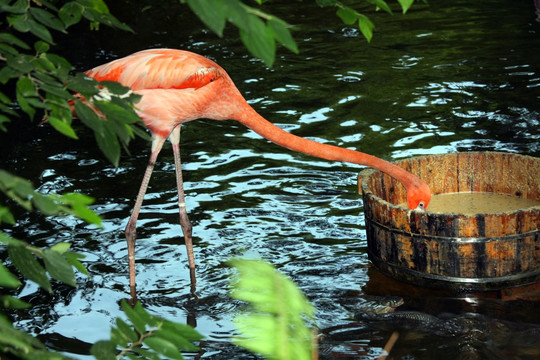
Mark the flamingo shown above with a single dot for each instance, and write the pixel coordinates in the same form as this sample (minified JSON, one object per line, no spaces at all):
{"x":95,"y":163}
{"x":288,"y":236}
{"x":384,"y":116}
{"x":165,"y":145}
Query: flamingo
{"x":179,"y":86}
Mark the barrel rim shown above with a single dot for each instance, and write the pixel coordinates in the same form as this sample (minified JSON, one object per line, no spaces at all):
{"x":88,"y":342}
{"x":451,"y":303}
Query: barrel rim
{"x":367,"y":173}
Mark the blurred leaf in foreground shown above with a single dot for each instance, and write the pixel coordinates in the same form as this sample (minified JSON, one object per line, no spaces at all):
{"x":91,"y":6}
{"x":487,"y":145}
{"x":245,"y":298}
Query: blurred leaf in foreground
{"x":275,"y":326}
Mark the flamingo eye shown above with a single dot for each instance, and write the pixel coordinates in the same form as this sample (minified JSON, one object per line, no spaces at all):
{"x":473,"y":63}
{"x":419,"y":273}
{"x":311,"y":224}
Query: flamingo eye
{"x":421,"y":206}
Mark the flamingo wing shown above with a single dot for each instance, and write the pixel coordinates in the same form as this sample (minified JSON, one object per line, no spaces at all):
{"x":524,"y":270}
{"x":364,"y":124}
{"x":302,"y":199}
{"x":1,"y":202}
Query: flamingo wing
{"x":159,"y":69}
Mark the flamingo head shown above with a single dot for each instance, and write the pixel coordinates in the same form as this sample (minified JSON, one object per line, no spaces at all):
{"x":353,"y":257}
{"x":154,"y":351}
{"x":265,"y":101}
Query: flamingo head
{"x":418,"y":196}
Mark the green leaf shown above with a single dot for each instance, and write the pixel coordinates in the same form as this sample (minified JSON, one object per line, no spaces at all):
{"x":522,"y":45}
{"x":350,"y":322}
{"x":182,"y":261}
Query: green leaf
{"x":8,"y":240}
{"x":347,"y":15}
{"x":11,"y":302}
{"x":6,"y":216}
{"x":211,"y":13}
{"x":40,"y":31}
{"x":98,"y":5}
{"x":237,"y":13}
{"x":142,"y":133}
{"x":276,"y":328}
{"x":4,"y":120}
{"x":366,"y":27}
{"x":108,"y":144}
{"x":29,"y":267}
{"x":258,"y":335}
{"x":48,"y":19}
{"x":41,"y":47}
{"x":73,"y":259}
{"x":77,"y":198}
{"x":79,"y":208}
{"x":382,"y":5}
{"x":88,"y":117}
{"x":282,"y":34}
{"x":62,"y":127}
{"x":47,"y":67}
{"x":70,"y":13}
{"x":22,"y":191}
{"x":25,"y":86}
{"x":265,"y":288}
{"x":61,"y":247}
{"x":405,"y":5}
{"x":103,"y":350}
{"x":136,"y":318}
{"x":24,"y":101}
{"x":84,"y":85}
{"x":63,"y":67}
{"x":116,"y":113}
{"x":177,"y":338}
{"x":146,"y":354}
{"x":184,"y":330}
{"x":7,"y":180}
{"x":115,"y":87}
{"x":126,"y":331}
{"x":45,"y":204}
{"x":7,"y":279}
{"x":7,"y":49}
{"x":17,"y":340}
{"x":86,"y":214}
{"x":58,"y":267}
{"x":20,"y":62}
{"x":54,"y":88}
{"x":13,"y":40}
{"x":259,"y":40}
{"x":8,"y":72}
{"x":323,"y":3}
{"x":164,"y":347}
{"x":19,"y":22}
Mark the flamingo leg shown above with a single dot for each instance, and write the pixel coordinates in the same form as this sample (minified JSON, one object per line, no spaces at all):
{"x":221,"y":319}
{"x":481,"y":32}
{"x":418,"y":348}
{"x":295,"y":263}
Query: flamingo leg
{"x":187,"y":228}
{"x":131,"y":228}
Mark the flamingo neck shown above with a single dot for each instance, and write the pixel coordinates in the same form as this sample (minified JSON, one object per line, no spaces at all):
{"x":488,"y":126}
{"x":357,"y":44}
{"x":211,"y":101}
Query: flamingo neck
{"x":250,"y":118}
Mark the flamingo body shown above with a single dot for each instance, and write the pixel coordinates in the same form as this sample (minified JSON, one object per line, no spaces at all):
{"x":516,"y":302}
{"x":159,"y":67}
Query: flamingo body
{"x":176,"y":86}
{"x":179,"y":86}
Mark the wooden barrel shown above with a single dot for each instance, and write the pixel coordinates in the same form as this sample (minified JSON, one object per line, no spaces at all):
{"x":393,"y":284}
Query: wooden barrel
{"x":476,"y":252}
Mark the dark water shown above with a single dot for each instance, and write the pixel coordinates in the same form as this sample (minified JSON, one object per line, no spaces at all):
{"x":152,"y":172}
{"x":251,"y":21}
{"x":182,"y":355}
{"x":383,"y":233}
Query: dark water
{"x":451,"y":76}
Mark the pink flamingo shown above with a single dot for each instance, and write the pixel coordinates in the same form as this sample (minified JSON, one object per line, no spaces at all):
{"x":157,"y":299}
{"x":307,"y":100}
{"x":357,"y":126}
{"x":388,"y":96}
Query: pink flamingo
{"x":179,"y":86}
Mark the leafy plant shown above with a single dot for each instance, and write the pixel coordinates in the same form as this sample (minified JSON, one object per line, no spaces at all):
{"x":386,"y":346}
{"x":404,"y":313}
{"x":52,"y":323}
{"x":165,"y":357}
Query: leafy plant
{"x":147,"y":337}
{"x":259,"y":31}
{"x":275,"y":325}
{"x":22,"y":345}
{"x":34,"y":263}
{"x":350,"y":16}
{"x":42,"y":80}
{"x":57,"y":259}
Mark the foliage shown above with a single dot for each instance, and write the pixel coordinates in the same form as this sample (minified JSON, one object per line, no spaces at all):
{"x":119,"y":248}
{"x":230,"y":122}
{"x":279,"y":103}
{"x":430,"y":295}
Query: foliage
{"x":350,"y":16}
{"x":259,"y":31}
{"x":22,"y":345}
{"x":57,"y":259}
{"x":275,"y":326}
{"x":146,"y":337}
{"x":22,"y":191}
{"x":33,"y":263}
{"x":42,"y":81}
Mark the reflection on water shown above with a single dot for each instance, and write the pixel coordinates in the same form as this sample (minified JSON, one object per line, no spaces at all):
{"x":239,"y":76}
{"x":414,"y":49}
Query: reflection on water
{"x":443,"y":78}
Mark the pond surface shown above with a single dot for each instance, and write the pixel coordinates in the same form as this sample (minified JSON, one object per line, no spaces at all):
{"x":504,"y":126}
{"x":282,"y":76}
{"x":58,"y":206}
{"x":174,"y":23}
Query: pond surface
{"x":448,"y":77}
